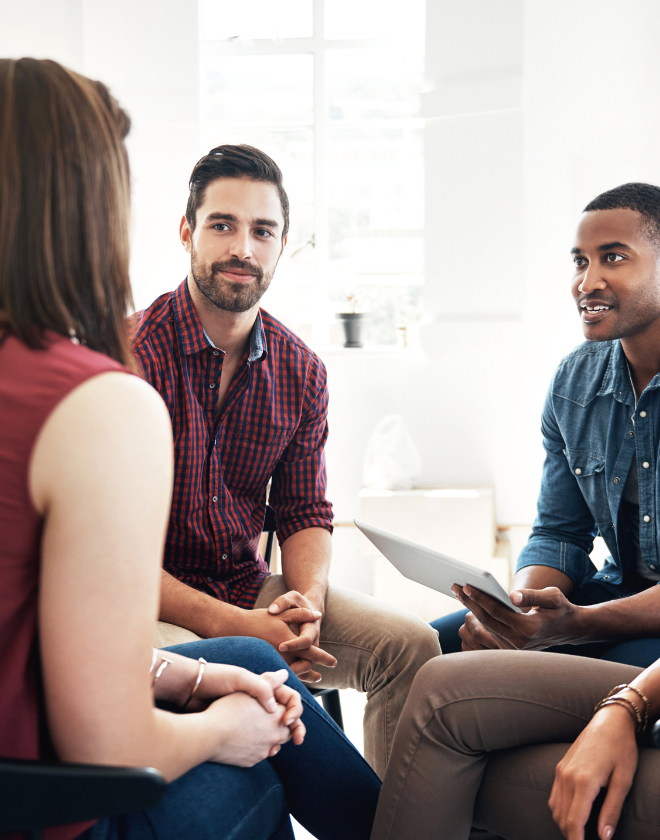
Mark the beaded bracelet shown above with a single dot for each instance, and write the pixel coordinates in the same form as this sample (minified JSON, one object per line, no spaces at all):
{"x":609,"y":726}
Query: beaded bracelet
{"x":614,"y":698}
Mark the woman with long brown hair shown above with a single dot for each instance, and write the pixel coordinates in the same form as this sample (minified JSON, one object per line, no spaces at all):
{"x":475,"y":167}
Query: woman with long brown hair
{"x":85,"y":484}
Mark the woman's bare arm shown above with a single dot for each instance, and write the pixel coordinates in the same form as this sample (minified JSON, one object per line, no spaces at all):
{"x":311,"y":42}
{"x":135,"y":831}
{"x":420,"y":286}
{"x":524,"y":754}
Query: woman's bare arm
{"x":101,"y":475}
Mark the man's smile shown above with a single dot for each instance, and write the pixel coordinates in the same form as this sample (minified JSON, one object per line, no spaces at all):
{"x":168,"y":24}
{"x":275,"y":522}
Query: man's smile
{"x":592,"y":311}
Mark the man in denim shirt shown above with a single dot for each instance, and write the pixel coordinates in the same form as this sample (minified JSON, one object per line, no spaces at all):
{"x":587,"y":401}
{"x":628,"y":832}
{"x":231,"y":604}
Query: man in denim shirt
{"x":601,"y":430}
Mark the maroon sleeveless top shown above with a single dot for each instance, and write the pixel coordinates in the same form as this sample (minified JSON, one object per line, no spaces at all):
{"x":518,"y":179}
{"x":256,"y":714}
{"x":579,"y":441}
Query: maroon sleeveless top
{"x":32,"y":384}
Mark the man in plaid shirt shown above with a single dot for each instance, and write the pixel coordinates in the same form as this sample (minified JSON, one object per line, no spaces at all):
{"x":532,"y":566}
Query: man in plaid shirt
{"x":248,"y":401}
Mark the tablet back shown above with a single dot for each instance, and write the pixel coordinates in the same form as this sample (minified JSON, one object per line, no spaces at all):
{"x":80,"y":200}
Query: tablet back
{"x":432,"y":569}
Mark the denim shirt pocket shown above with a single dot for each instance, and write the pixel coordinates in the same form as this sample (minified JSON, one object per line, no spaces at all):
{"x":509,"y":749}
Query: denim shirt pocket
{"x":588,"y":469}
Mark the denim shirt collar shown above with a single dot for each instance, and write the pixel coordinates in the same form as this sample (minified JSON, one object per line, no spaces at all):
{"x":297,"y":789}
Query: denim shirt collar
{"x":616,"y":380}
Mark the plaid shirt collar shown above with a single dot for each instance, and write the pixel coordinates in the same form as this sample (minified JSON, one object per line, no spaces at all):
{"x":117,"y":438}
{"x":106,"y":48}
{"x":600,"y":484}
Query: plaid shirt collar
{"x":193,"y":337}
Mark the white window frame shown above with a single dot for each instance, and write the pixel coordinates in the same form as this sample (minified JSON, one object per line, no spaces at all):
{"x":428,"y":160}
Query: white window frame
{"x":317,"y":45}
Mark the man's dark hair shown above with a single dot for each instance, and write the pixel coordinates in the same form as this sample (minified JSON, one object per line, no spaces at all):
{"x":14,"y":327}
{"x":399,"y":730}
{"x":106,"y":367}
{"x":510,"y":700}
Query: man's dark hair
{"x":234,"y":162}
{"x":644,"y":198}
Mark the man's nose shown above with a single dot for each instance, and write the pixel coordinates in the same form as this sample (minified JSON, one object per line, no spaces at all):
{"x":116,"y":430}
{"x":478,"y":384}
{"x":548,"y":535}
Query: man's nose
{"x":241,"y":246}
{"x":591,"y":281}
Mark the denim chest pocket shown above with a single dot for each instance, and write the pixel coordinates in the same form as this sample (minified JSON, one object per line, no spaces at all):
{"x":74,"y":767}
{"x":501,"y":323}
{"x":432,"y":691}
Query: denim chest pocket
{"x":250,"y":455}
{"x":588,"y":469}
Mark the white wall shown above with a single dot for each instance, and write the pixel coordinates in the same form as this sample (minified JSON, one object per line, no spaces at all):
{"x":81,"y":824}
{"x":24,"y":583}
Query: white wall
{"x":146,"y":51}
{"x":534,"y":109}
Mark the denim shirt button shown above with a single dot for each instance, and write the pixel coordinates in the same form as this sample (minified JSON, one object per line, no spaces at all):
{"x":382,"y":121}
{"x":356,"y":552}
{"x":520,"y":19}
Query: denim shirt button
{"x":606,"y":577}
{"x":631,"y":434}
{"x":642,"y":414}
{"x":646,"y":465}
{"x":647,"y":519}
{"x":617,"y":480}
{"x":578,"y":471}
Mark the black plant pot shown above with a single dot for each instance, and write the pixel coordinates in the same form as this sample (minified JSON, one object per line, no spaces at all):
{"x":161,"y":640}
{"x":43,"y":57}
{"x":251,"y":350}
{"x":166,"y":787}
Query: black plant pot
{"x":354,"y":324}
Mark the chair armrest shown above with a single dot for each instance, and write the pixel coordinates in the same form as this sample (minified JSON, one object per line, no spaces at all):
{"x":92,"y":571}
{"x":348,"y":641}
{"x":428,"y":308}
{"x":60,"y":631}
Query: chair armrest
{"x":35,"y":794}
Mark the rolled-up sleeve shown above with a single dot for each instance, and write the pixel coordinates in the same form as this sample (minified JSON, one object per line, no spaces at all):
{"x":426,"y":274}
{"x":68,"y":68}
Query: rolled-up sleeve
{"x":564,"y":529}
{"x":299,"y":480}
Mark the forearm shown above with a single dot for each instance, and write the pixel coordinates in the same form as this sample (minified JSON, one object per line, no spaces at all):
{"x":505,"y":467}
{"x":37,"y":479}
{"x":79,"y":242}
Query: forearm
{"x":204,"y":615}
{"x":539,"y":577}
{"x":634,"y":617}
{"x":306,"y":559}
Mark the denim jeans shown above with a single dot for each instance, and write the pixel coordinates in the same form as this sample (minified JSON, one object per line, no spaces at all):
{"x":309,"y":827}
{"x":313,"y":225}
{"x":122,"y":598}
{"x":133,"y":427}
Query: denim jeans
{"x":638,"y":652}
{"x":325,"y":783}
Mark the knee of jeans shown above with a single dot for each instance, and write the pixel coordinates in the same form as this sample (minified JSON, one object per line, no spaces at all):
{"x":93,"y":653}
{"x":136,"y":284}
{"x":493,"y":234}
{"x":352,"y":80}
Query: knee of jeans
{"x":259,"y":655}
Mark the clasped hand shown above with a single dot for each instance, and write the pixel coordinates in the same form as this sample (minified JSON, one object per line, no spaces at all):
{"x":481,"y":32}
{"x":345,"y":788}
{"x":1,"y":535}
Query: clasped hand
{"x":293,"y":627}
{"x":257,"y":713}
{"x":551,"y":620}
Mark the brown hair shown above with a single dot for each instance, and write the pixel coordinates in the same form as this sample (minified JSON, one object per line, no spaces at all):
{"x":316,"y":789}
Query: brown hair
{"x":64,"y":201}
{"x":234,"y":162}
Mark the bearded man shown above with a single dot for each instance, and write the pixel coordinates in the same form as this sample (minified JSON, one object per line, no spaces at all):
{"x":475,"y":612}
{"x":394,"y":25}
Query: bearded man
{"x":248,"y":401}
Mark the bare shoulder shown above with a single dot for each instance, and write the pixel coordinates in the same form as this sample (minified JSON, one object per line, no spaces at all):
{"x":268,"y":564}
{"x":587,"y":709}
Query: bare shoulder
{"x":110,"y":420}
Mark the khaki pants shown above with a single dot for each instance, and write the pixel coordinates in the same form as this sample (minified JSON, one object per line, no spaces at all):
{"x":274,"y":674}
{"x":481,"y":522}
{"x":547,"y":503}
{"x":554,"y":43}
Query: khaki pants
{"x":479,"y":740}
{"x":379,"y":649}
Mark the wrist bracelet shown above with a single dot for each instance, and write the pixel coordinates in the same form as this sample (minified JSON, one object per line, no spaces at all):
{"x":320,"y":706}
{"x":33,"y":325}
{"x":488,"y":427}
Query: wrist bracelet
{"x":643,"y":718}
{"x":164,"y":663}
{"x":620,"y":701}
{"x":202,"y":667}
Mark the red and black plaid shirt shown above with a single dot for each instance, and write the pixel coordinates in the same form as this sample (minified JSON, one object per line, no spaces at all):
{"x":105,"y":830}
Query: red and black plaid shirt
{"x":273,"y":424}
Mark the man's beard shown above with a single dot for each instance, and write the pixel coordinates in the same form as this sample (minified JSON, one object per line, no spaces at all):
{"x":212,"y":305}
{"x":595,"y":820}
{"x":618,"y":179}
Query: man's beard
{"x":232,"y":297}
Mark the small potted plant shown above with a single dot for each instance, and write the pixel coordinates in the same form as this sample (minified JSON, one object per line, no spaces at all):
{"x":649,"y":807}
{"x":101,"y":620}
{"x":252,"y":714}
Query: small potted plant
{"x":353,"y":322}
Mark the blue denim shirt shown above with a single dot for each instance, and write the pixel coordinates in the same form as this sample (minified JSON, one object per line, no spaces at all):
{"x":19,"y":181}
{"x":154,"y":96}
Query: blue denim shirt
{"x":591,"y":429}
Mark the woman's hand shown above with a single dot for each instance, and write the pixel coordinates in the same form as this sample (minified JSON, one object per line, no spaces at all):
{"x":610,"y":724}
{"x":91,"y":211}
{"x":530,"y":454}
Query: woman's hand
{"x":603,"y":756}
{"x":220,"y":680}
{"x":244,"y":733}
{"x":290,"y":699}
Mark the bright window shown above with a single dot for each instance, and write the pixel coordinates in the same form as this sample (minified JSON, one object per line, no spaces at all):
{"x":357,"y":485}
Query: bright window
{"x":330,"y":89}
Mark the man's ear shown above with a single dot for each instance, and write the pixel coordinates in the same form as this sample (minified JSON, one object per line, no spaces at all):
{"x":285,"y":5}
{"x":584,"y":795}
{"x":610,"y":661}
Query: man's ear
{"x":185,"y":234}
{"x":284,"y":241}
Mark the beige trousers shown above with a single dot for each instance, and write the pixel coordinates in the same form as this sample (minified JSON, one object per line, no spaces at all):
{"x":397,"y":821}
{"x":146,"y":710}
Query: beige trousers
{"x":379,"y":649}
{"x":479,"y":740}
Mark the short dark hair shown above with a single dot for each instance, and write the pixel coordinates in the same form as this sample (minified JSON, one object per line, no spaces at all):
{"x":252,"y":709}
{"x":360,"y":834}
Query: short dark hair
{"x":644,"y":198}
{"x":234,"y":162}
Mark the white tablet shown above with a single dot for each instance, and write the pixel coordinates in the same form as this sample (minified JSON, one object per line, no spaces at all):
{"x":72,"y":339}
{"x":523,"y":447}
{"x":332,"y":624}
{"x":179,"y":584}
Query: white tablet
{"x":432,"y":569}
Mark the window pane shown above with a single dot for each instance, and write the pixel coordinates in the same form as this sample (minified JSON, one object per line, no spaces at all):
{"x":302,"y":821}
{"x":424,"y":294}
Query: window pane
{"x":260,"y":89}
{"x":376,"y":204}
{"x":222,"y":20}
{"x":373,"y":83}
{"x":390,"y":309}
{"x":374,"y":19}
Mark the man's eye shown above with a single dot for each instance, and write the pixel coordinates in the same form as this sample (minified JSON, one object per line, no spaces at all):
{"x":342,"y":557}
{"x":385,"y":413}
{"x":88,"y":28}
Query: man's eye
{"x":263,"y":233}
{"x":579,"y":261}
{"x":220,"y":226}
{"x":613,"y":258}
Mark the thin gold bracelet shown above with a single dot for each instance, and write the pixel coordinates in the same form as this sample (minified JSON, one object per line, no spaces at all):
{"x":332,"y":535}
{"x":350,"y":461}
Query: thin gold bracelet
{"x":164,"y":663}
{"x":202,"y":667}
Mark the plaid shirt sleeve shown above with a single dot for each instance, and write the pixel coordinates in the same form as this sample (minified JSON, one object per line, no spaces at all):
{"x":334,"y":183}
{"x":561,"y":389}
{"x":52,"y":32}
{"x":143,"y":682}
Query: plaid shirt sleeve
{"x":299,"y":479}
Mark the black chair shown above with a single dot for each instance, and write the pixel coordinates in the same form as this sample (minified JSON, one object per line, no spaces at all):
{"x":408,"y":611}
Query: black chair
{"x":36,"y":794}
{"x":329,"y":696}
